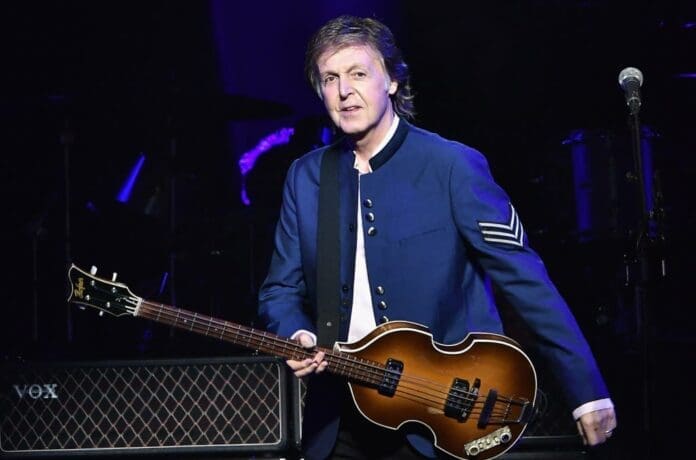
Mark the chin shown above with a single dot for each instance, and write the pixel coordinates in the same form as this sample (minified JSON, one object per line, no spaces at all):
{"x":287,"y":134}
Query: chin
{"x":352,"y":128}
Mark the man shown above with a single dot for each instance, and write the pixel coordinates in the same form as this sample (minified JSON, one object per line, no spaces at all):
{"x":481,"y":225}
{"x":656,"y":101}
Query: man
{"x":423,"y":229}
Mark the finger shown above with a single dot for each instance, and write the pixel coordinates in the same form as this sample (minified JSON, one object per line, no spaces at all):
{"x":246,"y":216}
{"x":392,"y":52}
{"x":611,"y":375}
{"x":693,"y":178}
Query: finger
{"x":597,"y":426}
{"x":594,"y":434}
{"x":604,"y":424}
{"x":302,"y":368}
{"x":306,"y":340}
{"x":611,"y":423}
{"x":296,"y":365}
{"x":306,"y":371}
{"x":321,"y":363}
{"x":610,"y":426}
{"x":592,"y":438}
{"x":590,"y":432}
{"x":581,"y":431}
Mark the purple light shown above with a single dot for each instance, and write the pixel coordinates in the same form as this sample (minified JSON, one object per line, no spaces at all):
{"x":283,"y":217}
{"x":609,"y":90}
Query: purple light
{"x":163,"y":282}
{"x":686,"y":75}
{"x":125,"y":192}
{"x":244,"y":196}
{"x":280,"y":137}
{"x":248,"y":159}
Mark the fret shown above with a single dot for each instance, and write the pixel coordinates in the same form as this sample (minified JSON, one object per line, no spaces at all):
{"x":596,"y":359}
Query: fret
{"x":262,"y":346}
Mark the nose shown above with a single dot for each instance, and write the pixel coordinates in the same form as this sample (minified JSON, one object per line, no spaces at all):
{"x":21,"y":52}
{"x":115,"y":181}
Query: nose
{"x":344,"y":87}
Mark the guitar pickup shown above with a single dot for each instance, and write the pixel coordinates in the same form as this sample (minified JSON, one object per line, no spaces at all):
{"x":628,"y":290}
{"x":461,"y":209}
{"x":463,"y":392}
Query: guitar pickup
{"x":391,"y":377}
{"x":461,"y":398}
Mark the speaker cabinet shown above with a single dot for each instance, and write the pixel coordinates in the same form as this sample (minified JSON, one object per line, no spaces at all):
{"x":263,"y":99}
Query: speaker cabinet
{"x":198,"y":405}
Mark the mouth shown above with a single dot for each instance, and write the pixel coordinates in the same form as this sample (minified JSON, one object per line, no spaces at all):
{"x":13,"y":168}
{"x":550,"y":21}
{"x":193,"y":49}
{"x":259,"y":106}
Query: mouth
{"x":350,"y":108}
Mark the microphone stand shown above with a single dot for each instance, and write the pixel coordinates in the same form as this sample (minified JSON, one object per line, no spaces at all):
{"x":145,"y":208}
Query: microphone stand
{"x":649,"y":237}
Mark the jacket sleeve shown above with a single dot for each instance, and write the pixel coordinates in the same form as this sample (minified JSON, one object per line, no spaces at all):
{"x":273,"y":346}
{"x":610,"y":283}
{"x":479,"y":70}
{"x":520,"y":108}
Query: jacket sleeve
{"x":283,"y":294}
{"x":490,"y":225}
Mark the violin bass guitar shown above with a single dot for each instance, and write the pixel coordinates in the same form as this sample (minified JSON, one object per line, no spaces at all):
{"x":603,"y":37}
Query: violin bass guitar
{"x":476,"y":397}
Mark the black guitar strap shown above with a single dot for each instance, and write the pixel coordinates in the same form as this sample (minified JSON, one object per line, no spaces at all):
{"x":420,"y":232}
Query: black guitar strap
{"x":328,"y":250}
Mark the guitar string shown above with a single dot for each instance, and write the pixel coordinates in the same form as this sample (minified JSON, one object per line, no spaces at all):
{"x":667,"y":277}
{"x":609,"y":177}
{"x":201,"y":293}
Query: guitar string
{"x":186,"y":317}
{"x":402,"y":390}
{"x":180,"y":317}
{"x":249,"y":337}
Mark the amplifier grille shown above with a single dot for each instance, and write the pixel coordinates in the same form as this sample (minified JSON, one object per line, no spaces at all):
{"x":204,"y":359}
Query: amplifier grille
{"x":230,"y":403}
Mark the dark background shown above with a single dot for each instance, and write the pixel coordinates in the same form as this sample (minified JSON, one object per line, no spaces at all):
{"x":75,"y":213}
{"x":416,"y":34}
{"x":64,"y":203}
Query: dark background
{"x":87,"y":87}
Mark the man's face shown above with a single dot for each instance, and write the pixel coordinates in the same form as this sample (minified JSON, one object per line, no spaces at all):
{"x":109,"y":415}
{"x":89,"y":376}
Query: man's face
{"x":355,"y":89}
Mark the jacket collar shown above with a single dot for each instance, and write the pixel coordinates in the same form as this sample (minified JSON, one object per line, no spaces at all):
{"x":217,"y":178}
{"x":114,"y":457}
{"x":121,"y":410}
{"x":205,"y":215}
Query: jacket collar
{"x":387,"y":151}
{"x":392,"y":146}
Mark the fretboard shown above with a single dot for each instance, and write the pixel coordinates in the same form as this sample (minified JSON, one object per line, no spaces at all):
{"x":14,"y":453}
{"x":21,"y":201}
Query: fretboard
{"x":340,"y":363}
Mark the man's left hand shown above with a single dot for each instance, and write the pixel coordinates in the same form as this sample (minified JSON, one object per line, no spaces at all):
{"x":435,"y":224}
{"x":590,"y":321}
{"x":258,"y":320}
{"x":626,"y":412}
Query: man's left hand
{"x":597,"y":426}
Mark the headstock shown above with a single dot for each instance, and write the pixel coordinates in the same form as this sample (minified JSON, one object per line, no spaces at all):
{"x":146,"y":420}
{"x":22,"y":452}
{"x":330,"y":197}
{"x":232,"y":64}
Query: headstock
{"x":111,"y":297}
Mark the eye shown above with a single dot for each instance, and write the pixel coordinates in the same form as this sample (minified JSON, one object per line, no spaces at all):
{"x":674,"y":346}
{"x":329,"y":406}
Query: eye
{"x":329,"y":78}
{"x":359,"y":74}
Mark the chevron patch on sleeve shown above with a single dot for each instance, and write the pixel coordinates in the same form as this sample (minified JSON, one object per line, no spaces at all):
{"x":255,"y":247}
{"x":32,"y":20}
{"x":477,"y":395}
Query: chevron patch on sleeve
{"x":511,"y":233}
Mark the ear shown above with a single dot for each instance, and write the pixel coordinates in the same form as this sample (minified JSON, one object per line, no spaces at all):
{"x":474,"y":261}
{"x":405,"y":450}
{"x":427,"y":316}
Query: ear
{"x":317,"y":88}
{"x":392,"y":87}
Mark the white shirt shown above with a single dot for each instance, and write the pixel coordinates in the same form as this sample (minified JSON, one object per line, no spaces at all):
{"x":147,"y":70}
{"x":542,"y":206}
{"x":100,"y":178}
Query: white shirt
{"x":362,"y":318}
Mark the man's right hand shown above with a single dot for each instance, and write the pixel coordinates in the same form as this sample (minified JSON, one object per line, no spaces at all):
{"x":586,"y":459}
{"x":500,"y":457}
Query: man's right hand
{"x":310,"y":365}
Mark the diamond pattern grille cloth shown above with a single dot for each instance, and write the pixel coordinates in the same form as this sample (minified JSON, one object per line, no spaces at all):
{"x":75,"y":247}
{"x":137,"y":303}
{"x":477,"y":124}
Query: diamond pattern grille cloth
{"x":144,"y":406}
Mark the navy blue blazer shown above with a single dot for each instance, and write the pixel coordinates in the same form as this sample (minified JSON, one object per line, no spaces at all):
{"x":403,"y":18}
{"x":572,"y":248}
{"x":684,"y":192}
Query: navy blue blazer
{"x":438,"y":230}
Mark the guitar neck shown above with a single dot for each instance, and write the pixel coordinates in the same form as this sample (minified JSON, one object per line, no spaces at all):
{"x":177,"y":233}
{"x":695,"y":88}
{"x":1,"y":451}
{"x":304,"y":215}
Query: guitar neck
{"x":339,"y":363}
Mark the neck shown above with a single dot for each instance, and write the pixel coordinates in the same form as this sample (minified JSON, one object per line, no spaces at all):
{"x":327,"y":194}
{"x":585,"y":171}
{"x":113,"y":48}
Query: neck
{"x":365,"y":146}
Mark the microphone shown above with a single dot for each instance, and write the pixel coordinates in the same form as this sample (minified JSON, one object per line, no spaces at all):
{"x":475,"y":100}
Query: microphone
{"x":631,"y":79}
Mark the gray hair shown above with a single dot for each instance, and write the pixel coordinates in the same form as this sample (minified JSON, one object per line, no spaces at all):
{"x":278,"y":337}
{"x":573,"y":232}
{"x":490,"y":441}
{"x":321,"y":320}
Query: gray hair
{"x":345,"y":31}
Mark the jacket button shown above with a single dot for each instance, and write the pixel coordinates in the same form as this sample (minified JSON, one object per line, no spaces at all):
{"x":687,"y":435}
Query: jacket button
{"x":345,"y":288}
{"x":370,"y":216}
{"x":372,"y":231}
{"x":351,"y":227}
{"x":382,"y":305}
{"x":367,"y":203}
{"x":345,"y":302}
{"x":379,"y":290}
{"x":383,"y":319}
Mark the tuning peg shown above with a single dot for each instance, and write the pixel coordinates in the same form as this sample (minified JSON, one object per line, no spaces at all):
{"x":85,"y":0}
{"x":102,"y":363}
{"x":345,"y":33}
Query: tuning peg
{"x":93,"y":270}
{"x":113,"y":277}
{"x":101,"y":313}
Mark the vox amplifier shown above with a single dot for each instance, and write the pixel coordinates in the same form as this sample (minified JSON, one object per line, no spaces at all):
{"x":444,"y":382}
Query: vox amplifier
{"x":207,"y":405}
